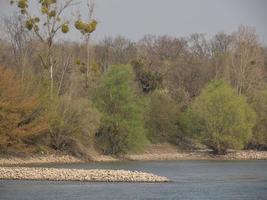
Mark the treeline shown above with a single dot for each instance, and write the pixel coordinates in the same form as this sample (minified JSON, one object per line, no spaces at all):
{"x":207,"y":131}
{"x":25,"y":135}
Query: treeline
{"x":186,"y":91}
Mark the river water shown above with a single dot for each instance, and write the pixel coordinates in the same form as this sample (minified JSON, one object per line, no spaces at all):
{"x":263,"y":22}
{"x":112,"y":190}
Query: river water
{"x":191,"y":180}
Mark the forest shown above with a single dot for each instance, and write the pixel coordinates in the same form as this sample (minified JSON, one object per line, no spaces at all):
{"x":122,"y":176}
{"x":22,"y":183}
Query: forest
{"x":117,"y":95}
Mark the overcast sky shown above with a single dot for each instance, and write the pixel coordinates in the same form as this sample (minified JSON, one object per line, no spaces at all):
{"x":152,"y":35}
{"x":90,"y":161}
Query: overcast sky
{"x":136,"y":18}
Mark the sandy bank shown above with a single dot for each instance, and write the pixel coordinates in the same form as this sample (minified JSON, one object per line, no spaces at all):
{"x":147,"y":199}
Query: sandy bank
{"x":52,"y":174}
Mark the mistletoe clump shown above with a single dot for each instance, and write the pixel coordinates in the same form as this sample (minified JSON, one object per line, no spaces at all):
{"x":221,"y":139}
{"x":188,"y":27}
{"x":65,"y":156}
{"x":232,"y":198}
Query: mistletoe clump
{"x":32,"y":23}
{"x":86,"y":28}
{"x":65,"y":28}
{"x":23,"y":4}
{"x":46,"y":6}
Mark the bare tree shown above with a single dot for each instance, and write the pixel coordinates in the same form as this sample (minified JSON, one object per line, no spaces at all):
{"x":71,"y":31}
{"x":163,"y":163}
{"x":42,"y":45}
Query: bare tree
{"x":46,"y":26}
{"x":220,"y":48}
{"x":247,"y":61}
{"x":20,"y":40}
{"x":87,"y":28}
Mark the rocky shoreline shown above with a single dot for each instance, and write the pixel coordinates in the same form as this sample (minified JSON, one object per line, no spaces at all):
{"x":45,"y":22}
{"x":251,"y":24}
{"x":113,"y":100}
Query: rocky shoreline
{"x":10,"y":171}
{"x":53,"y":174}
{"x":148,"y":156}
{"x":235,"y":155}
{"x":39,"y":159}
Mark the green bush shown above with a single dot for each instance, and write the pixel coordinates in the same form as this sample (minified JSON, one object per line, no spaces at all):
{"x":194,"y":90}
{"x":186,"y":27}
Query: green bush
{"x":259,"y":104}
{"x":122,"y":126}
{"x":220,"y":118}
{"x":162,"y":117}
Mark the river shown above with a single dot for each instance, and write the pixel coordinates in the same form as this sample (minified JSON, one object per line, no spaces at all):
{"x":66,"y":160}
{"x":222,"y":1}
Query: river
{"x":191,"y":180}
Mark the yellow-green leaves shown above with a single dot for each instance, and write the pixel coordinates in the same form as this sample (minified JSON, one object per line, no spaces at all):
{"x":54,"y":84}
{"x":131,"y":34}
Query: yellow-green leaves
{"x":23,"y":4}
{"x":220,"y":118}
{"x":32,"y":23}
{"x":44,"y":10}
{"x":86,"y":28}
{"x":65,"y":28}
{"x":46,"y":7}
{"x":52,"y":13}
{"x":29,"y":24}
{"x":47,"y":2}
{"x":79,"y":25}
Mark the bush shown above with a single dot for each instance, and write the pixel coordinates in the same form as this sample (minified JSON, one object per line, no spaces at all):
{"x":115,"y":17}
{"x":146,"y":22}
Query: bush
{"x":221,"y":118}
{"x":162,"y":117}
{"x":259,"y":137}
{"x":72,"y":118}
{"x":122,"y":127}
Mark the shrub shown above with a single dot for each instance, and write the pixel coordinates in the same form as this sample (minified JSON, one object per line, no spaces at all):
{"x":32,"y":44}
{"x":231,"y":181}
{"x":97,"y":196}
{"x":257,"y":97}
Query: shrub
{"x":162,"y":117}
{"x":122,"y":127}
{"x":221,"y":118}
{"x":72,"y":118}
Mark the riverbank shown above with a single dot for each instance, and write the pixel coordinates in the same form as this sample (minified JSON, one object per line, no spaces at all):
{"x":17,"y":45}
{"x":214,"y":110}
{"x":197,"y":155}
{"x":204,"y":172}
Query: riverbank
{"x":236,"y":155}
{"x":147,"y":156}
{"x":53,"y":174}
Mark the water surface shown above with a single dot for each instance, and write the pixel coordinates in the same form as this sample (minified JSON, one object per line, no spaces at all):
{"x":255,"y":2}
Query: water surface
{"x":193,"y":180}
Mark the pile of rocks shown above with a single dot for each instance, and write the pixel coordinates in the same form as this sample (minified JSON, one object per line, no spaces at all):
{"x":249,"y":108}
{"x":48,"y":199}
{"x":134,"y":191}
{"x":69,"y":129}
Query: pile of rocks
{"x":92,"y":175}
{"x":246,"y":155}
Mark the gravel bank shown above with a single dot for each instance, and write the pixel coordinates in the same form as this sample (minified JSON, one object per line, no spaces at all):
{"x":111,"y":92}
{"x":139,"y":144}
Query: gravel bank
{"x":53,"y":174}
{"x":147,"y":156}
{"x":235,"y":155}
{"x":40,"y":159}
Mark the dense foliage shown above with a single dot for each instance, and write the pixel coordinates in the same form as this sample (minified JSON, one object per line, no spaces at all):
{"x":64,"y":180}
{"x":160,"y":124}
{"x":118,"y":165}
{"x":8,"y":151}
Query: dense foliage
{"x":163,"y":115}
{"x":259,"y":103}
{"x":117,"y":95}
{"x":221,"y":118}
{"x":122,"y":126}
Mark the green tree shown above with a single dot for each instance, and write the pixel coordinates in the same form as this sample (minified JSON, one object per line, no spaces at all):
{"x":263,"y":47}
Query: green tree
{"x":162,"y":117}
{"x":122,"y":126}
{"x":220,"y":118}
{"x":259,"y":104}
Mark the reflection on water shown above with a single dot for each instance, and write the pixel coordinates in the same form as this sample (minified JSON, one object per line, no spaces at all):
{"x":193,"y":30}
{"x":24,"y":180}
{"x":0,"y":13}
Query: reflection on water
{"x":196,"y":180}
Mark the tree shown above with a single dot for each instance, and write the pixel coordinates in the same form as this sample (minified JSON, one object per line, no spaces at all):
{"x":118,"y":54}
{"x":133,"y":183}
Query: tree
{"x":86,"y":29}
{"x":220,"y":49}
{"x":20,"y":41}
{"x":122,"y":127}
{"x":259,"y":104}
{"x":162,"y":117}
{"x":220,"y":118}
{"x":148,"y":80}
{"x":247,"y":61}
{"x":46,"y":25}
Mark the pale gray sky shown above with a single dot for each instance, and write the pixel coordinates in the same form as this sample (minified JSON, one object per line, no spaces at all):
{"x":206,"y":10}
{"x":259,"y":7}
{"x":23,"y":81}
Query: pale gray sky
{"x":136,"y":18}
